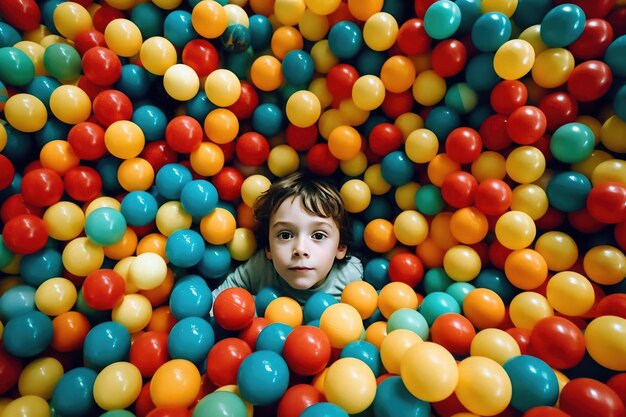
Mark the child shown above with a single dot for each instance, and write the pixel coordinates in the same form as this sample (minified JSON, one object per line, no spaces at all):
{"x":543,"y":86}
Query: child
{"x":303,"y":233}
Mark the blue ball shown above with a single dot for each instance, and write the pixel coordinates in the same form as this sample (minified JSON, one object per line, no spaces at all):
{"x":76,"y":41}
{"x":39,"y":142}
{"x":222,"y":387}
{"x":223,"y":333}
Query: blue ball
{"x":260,"y":32}
{"x":107,"y":167}
{"x":215,"y":262}
{"x":442,"y":120}
{"x":263,"y":298}
{"x":442,"y":19}
{"x":534,"y":383}
{"x":324,"y":409}
{"x":8,"y":35}
{"x":139,"y":208}
{"x":28,"y":334}
{"x":150,"y":119}
{"x":191,"y":338}
{"x":236,"y":38}
{"x":273,"y":337}
{"x":480,"y":74}
{"x":470,"y":11}
{"x":316,"y":305}
{"x":298,"y":67}
{"x":105,"y":226}
{"x":530,"y":12}
{"x":199,"y":106}
{"x":184,"y":248}
{"x":345,"y":39}
{"x":40,"y":266}
{"x":73,"y":393}
{"x":263,"y":377}
{"x":436,"y":279}
{"x":178,"y":29}
{"x":393,"y":399}
{"x":365,"y":352}
{"x":171,"y":179}
{"x":397,"y":169}
{"x":459,"y":291}
{"x":567,"y":191}
{"x":491,"y":31}
{"x":379,"y":208}
{"x":267,"y":119}
{"x":436,"y":304}
{"x":106,"y":343}
{"x":496,"y":281}
{"x":42,"y":87}
{"x":409,"y":319}
{"x":614,"y":56}
{"x":619,"y":102}
{"x":376,"y":272}
{"x":53,"y":129}
{"x":562,"y":25}
{"x":199,"y":197}
{"x":149,"y":19}
{"x":190,"y":297}
{"x":16,"y":301}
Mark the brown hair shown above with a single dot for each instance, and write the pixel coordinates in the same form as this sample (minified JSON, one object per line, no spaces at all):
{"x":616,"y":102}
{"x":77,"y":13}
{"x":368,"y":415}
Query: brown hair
{"x":318,"y":198}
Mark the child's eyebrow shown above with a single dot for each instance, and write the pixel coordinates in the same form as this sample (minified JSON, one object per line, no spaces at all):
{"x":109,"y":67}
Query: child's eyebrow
{"x":291,"y":224}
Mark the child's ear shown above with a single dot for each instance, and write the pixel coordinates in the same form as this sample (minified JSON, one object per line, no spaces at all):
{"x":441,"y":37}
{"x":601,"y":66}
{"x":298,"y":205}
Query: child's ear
{"x":341,"y":251}
{"x":268,"y":254}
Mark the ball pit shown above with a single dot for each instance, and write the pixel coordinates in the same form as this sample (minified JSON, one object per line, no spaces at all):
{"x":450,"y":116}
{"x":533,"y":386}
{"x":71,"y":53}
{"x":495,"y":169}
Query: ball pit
{"x":477,"y":145}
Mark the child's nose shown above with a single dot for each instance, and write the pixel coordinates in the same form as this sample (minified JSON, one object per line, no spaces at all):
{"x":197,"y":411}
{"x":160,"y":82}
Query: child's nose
{"x":300,"y":248}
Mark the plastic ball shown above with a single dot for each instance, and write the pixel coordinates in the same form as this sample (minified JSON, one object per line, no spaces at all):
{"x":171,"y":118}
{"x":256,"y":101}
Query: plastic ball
{"x":380,"y":31}
{"x":24,"y":234}
{"x":39,"y":377}
{"x":368,"y":92}
{"x":297,"y":399}
{"x":307,"y":350}
{"x":604,"y":264}
{"x":342,"y":324}
{"x":117,"y":386}
{"x":263,"y":377}
{"x":429,"y":371}
{"x":558,"y":342}
{"x":222,"y":402}
{"x":234,"y":308}
{"x":461,"y":263}
{"x":490,"y":31}
{"x":28,"y":334}
{"x":171,"y":217}
{"x":527,"y":308}
{"x":303,"y":108}
{"x":533,"y":382}
{"x":316,"y":305}
{"x":454,"y":332}
{"x":351,"y":384}
{"x":55,"y":296}
{"x":175,"y":383}
{"x":218,"y":227}
{"x":442,"y":19}
{"x":25,"y":112}
{"x":273,"y":336}
{"x":587,"y":392}
{"x":562,"y":25}
{"x":494,"y":344}
{"x":362,"y":296}
{"x":568,"y":191}
{"x":379,"y":235}
{"x":134,"y":312}
{"x":81,"y":256}
{"x":483,"y":386}
{"x":345,"y":39}
{"x":191,"y":338}
{"x":484,"y":308}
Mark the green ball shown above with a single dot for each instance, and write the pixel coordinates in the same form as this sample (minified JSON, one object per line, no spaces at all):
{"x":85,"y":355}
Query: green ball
{"x":62,"y":62}
{"x":16,"y":68}
{"x":222,"y":403}
{"x":572,"y":143}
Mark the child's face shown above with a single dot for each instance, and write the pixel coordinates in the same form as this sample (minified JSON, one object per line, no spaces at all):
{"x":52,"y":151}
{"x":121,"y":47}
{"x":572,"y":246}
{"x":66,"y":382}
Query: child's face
{"x":302,"y":246}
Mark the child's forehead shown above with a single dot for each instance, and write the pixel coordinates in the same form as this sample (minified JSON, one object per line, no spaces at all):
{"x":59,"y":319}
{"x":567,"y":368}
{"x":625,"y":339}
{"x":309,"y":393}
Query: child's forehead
{"x":293,"y":206}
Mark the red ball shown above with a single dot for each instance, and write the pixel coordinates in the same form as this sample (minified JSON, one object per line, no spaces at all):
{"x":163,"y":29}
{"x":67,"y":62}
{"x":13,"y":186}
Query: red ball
{"x":246,"y":103}
{"x":559,"y":108}
{"x":24,"y":234}
{"x":592,"y":43}
{"x":396,"y":104}
{"x":592,"y":8}
{"x":10,"y":370}
{"x":224,"y":360}
{"x":321,"y":161}
{"x":307,"y":350}
{"x":590,"y":81}
{"x":42,"y":187}
{"x":250,"y":333}
{"x":170,"y":411}
{"x":412,"y":37}
{"x":297,"y":398}
{"x":103,"y":289}
{"x":88,"y":39}
{"x":301,"y":138}
{"x":617,"y":20}
{"x":508,"y":95}
{"x":448,"y":57}
{"x":583,"y":221}
{"x":228,"y":184}
{"x":522,"y":337}
{"x":92,"y":90}
{"x":493,"y":132}
{"x":586,"y":397}
{"x":234,"y":308}
{"x":15,"y":205}
{"x":101,"y":66}
{"x":110,"y":106}
{"x":458,"y":189}
{"x":385,"y":138}
{"x":149,"y":351}
{"x":420,"y":6}
{"x":463,"y":145}
{"x":7,"y":172}
{"x":558,"y":342}
{"x":82,"y":183}
{"x":87,"y":141}
{"x":612,"y":305}
{"x":498,"y":254}
{"x":184,"y":134}
{"x":407,"y":268}
{"x":252,"y":149}
{"x":340,"y":80}
{"x":454,"y":332}
{"x":202,"y":56}
{"x":606,"y":202}
{"x":545,"y":411}
{"x":23,"y":15}
{"x":618,"y":384}
{"x":526,"y":124}
{"x":493,"y":197}
{"x":158,"y":154}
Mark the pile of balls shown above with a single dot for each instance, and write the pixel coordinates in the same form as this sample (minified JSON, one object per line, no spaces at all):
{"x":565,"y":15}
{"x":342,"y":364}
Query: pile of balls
{"x":479,"y":146}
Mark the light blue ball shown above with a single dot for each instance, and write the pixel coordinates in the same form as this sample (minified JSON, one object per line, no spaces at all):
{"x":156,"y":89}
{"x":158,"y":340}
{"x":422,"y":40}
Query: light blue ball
{"x":260,"y":32}
{"x":442,"y":120}
{"x":436,"y":304}
{"x":533,"y":381}
{"x":436,"y":279}
{"x":27,"y":334}
{"x":572,"y":143}
{"x":40,"y":266}
{"x":273,"y":337}
{"x":267,"y":119}
{"x":393,"y":399}
{"x":397,"y":169}
{"x":16,"y":301}
{"x":73,"y":393}
{"x":316,"y":305}
{"x":190,"y":297}
{"x":178,"y":29}
{"x":496,"y":281}
{"x":105,"y":226}
{"x":215,"y":262}
{"x":562,"y":25}
{"x":409,"y":319}
{"x":106,"y":343}
{"x":376,"y":272}
{"x":442,"y":19}
{"x":150,"y":119}
{"x":459,"y":291}
{"x":365,"y":352}
{"x":184,"y":248}
{"x":199,"y":197}
{"x":191,"y":338}
{"x":263,"y":377}
{"x":324,"y":409}
{"x":171,"y":179}
{"x":263,"y":298}
{"x":490,"y":31}
{"x":614,"y":56}
{"x":136,"y":82}
{"x":139,"y":208}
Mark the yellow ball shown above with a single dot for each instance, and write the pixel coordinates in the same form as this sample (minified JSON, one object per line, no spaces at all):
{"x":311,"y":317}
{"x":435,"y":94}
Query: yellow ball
{"x":40,"y":377}
{"x":429,"y":371}
{"x":558,"y":249}
{"x":289,"y":12}
{"x":323,"y":58}
{"x":408,"y":122}
{"x":613,"y":131}
{"x":64,"y":220}
{"x":181,"y":82}
{"x":421,"y":146}
{"x":235,"y":14}
{"x":355,"y":166}
{"x":222,"y":87}
{"x":350,"y":384}
{"x":147,"y":271}
{"x":605,"y":265}
{"x":429,"y":88}
{"x":25,"y":112}
{"x":329,"y":120}
{"x":100,"y":202}
{"x":527,"y":308}
{"x":356,"y":195}
{"x":55,"y":296}
{"x":171,"y":217}
{"x":303,"y":108}
{"x":484,"y":387}
{"x":570,"y":293}
{"x":320,"y":89}
{"x":323,"y":7}
{"x":608,"y":170}
{"x":123,"y":37}
{"x":252,"y":188}
{"x":525,"y":164}
{"x":461,"y":263}
{"x":133,"y":312}
{"x":494,"y":344}
{"x":157,"y":54}
{"x":70,"y":104}
{"x":553,"y":67}
{"x":368,"y":92}
{"x":394,"y":346}
{"x":605,"y":337}
{"x":530,"y":199}
{"x":313,"y":26}
{"x":489,"y":164}
{"x":342,"y":324}
{"x":532,"y":35}
{"x":81,"y":257}
{"x":243,"y":244}
{"x":117,"y":386}
{"x":380,"y":31}
{"x":515,"y":230}
{"x":373,"y":177}
{"x":284,"y":310}
{"x":283,"y":160}
{"x":70,"y":19}
{"x":405,"y":195}
{"x":410,"y":227}
{"x":27,"y":406}
{"x":514,"y":59}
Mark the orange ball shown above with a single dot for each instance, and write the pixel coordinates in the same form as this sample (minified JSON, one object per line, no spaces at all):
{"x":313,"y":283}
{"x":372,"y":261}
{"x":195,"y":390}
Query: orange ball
{"x":58,"y":155}
{"x":441,"y":232}
{"x":379,"y":236}
{"x":207,"y":159}
{"x":394,"y":296}
{"x":266,"y":73}
{"x":161,"y":294}
{"x":469,"y":225}
{"x":439,"y":167}
{"x":344,"y":142}
{"x":284,"y":40}
{"x":162,"y":320}
{"x":484,"y":308}
{"x":361,"y":295}
{"x":135,"y":174}
{"x":526,"y":269}
{"x":153,"y":242}
{"x":70,"y":329}
{"x":430,"y":254}
{"x":221,"y":126}
{"x":376,"y":332}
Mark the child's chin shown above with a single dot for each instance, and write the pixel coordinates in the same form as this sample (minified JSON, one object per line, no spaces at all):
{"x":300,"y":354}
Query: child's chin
{"x":301,"y":284}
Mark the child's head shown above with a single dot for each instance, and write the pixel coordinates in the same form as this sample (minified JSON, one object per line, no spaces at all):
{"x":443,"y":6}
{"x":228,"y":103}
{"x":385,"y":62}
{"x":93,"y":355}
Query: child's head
{"x":303,"y":227}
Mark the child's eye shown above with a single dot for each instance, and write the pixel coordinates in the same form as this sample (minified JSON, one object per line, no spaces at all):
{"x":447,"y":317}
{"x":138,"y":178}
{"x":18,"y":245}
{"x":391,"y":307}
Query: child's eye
{"x":284,"y":235}
{"x":318,"y":236}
